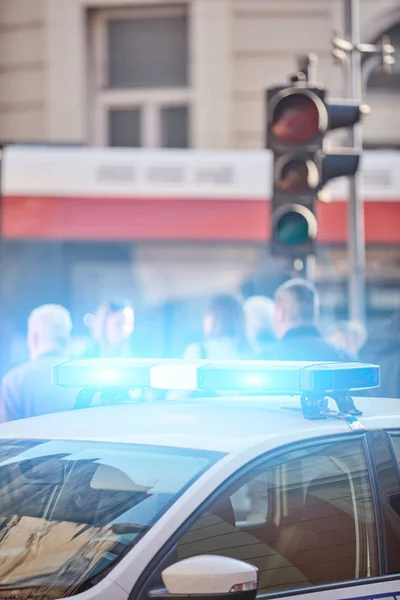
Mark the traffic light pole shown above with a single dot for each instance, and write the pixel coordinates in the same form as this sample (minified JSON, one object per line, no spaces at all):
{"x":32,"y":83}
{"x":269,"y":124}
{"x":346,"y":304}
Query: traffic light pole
{"x":298,"y":118}
{"x":349,"y":51}
{"x":356,"y":231}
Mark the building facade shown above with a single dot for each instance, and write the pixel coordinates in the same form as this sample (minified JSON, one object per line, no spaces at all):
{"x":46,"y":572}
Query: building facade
{"x":172,"y":73}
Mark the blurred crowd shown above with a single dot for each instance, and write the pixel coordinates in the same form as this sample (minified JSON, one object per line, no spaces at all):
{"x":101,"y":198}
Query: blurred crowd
{"x":285,"y":327}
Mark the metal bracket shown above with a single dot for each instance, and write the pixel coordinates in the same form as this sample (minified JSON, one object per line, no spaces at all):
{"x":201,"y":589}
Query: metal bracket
{"x":84,"y":398}
{"x":341,"y":48}
{"x":352,"y":422}
{"x":345,"y":404}
{"x":315,"y":407}
{"x":115,"y":396}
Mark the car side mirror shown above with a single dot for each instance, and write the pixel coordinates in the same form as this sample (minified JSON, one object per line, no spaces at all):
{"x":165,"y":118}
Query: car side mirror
{"x":209,"y":577}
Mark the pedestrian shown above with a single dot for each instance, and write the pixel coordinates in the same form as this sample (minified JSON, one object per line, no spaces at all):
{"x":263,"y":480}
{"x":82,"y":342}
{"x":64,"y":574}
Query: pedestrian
{"x":259,"y":315}
{"x":384,"y":350}
{"x":349,"y":336}
{"x":111,"y":329}
{"x":295,"y":321}
{"x":224,"y":332}
{"x":27,"y":390}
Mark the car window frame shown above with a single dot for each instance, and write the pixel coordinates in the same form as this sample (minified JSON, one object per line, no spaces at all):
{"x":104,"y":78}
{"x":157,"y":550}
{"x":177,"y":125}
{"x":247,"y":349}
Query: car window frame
{"x":389,"y":434}
{"x":144,"y":583}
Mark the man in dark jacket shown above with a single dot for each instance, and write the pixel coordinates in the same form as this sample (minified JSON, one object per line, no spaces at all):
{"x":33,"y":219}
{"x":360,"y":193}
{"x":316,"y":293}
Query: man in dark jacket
{"x":384,"y":350}
{"x":296,"y":314}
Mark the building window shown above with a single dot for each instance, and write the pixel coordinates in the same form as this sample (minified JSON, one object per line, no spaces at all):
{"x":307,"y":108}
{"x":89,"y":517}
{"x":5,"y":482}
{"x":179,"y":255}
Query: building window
{"x":124,"y":127}
{"x":140,"y":77}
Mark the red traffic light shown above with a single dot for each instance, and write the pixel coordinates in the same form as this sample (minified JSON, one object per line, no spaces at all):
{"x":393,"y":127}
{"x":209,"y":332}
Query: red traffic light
{"x":297,"y":118}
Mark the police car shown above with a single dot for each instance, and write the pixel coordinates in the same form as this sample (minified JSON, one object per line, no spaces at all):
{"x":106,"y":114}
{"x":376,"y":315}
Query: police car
{"x":288,"y":487}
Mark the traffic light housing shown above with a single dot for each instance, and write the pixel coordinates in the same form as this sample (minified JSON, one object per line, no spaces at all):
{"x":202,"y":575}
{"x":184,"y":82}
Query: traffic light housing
{"x":298,"y":119}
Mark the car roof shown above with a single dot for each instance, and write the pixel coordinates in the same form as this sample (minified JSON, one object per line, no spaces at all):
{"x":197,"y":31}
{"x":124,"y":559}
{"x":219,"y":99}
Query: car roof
{"x":219,"y":424}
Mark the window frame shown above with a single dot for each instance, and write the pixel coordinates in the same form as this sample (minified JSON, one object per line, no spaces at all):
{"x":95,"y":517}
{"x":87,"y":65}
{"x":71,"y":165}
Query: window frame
{"x":375,"y":437}
{"x":149,"y":100}
{"x":391,"y":433}
{"x":157,"y":564}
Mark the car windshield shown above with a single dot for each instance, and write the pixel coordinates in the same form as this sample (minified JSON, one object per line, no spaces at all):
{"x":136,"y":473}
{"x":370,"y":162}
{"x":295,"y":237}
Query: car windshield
{"x":70,"y":509}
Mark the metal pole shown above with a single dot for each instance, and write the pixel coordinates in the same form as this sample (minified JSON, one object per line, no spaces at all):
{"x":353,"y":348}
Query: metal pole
{"x":310,"y":268}
{"x":356,"y":232}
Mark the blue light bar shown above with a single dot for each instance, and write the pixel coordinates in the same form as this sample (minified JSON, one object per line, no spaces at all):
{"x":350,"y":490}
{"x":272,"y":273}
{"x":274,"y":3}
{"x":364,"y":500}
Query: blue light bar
{"x":274,"y":377}
{"x":340,"y":377}
{"x":267,"y":377}
{"x":102,"y":373}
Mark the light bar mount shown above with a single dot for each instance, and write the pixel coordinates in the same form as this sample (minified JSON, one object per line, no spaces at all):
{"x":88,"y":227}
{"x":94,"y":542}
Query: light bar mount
{"x":314,"y":406}
{"x":107,"y":397}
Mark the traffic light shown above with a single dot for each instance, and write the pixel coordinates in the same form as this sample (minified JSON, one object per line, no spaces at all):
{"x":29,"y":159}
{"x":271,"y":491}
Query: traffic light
{"x":298,"y":119}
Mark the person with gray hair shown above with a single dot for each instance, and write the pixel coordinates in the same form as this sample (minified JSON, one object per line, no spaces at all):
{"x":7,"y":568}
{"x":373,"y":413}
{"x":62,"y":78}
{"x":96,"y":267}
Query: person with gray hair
{"x":27,"y":390}
{"x":295,"y":322}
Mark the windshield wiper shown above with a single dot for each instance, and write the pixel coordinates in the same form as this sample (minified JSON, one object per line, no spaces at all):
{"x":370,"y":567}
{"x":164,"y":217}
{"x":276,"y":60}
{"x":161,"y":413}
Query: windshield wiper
{"x":125,"y":528}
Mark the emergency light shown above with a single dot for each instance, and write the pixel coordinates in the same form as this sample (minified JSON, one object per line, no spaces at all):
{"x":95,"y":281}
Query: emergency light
{"x":267,"y":377}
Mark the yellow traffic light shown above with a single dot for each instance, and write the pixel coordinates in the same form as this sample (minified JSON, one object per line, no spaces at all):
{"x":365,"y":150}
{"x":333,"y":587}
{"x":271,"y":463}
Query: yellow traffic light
{"x":296,"y":175}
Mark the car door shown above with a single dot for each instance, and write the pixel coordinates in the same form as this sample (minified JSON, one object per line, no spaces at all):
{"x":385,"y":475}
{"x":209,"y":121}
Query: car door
{"x":386,"y":453}
{"x":308,"y":517}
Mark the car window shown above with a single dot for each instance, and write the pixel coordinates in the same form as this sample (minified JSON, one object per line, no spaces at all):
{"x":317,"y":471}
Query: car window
{"x":304,"y":519}
{"x":389,"y":484}
{"x":69,"y":510}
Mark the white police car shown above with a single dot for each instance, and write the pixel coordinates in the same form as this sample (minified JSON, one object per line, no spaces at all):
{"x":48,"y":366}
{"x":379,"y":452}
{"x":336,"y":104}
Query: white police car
{"x":281,"y":494}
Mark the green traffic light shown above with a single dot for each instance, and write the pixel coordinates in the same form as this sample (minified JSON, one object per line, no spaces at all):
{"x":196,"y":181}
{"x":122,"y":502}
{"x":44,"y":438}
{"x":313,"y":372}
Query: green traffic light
{"x":292,"y":229}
